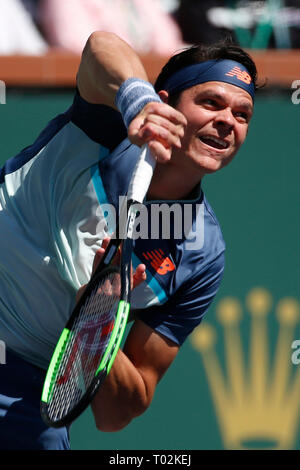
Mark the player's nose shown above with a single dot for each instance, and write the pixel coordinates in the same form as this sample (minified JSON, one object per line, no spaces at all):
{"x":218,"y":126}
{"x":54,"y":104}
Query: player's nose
{"x":225,"y":117}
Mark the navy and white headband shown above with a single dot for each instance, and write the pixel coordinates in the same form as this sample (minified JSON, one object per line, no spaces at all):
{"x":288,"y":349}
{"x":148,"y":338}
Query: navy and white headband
{"x":222,"y":70}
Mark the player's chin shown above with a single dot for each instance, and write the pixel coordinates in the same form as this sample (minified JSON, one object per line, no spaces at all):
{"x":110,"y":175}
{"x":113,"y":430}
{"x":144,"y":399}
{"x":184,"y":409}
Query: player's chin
{"x":213,"y":163}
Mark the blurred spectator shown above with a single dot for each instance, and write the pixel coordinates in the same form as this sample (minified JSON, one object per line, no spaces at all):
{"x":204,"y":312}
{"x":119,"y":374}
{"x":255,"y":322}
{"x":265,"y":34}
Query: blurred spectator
{"x":193,"y":20}
{"x":251,"y":23}
{"x":145,"y":24}
{"x":18,"y":32}
{"x":169,"y":5}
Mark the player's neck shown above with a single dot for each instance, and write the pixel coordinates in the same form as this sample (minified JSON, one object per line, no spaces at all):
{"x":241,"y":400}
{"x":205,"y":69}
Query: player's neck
{"x":167,"y":184}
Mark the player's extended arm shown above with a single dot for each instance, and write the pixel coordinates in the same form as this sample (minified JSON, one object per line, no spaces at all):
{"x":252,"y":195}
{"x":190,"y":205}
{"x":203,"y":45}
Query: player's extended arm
{"x":107,"y":61}
{"x":129,"y":388}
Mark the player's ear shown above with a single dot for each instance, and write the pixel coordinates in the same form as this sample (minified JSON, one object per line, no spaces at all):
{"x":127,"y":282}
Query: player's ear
{"x":164,"y":96}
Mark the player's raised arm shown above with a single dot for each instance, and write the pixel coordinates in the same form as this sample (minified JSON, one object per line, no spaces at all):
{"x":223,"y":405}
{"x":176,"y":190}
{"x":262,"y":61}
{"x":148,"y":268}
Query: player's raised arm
{"x":111,"y":73}
{"x":106,"y":62}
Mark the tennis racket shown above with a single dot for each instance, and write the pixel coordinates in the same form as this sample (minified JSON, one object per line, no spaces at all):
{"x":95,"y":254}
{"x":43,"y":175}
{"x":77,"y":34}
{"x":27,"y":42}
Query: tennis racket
{"x":91,"y":338}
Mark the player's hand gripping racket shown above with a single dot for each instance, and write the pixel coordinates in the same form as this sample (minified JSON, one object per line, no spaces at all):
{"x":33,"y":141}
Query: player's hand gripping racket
{"x":91,"y":338}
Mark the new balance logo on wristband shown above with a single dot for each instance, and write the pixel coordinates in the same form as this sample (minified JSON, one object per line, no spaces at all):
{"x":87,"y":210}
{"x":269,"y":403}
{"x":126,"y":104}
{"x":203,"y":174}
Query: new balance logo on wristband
{"x":161,"y":263}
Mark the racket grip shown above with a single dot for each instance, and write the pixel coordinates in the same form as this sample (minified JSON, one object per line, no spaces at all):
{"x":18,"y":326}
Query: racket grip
{"x":141,"y":177}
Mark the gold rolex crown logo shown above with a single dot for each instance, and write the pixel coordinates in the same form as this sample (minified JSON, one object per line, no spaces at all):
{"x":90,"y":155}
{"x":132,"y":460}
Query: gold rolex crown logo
{"x":257,"y":403}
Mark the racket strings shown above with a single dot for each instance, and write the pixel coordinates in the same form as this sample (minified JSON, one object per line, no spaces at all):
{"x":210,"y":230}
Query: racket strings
{"x":88,"y":339}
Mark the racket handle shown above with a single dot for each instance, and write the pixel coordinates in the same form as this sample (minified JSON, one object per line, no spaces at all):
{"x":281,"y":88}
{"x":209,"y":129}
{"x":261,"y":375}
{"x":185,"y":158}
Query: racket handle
{"x":141,"y":177}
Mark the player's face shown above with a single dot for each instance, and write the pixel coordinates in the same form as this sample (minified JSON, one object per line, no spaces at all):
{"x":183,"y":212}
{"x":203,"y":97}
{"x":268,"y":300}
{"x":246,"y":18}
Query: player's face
{"x":218,"y":116}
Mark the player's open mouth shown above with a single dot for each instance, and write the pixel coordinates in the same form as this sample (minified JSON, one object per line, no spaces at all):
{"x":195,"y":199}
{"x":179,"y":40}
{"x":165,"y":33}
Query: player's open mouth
{"x":215,"y":142}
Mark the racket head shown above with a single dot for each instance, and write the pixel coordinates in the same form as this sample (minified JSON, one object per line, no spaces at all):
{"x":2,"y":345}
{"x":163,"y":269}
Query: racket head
{"x":86,"y":349}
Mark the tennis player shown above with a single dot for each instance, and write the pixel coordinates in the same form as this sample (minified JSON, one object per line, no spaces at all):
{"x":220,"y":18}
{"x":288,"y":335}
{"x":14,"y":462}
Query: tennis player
{"x":54,"y":196}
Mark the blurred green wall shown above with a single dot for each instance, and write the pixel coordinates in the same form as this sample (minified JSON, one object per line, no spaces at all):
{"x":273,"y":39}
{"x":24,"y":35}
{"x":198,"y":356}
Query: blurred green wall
{"x":254,"y":401}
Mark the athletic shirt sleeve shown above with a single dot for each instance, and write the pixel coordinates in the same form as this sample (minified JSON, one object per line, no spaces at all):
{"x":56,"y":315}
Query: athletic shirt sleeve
{"x":100,"y":123}
{"x":178,"y":317}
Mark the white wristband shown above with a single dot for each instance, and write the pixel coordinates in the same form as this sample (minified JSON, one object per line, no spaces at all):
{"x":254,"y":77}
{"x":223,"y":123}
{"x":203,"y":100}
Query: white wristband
{"x":132,"y":96}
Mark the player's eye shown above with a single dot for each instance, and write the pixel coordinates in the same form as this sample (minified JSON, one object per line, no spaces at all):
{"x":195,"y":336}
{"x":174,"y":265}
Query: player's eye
{"x":210,"y":102}
{"x":242,"y":116}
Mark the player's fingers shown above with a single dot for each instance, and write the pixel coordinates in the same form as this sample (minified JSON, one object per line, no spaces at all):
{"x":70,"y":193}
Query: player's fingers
{"x":177,"y":129}
{"x":139,"y":275}
{"x":97,"y":258}
{"x":151,"y":131}
{"x":99,"y":253}
{"x":158,"y":121}
{"x":159,"y":151}
{"x":164,"y":110}
{"x":105,"y":242}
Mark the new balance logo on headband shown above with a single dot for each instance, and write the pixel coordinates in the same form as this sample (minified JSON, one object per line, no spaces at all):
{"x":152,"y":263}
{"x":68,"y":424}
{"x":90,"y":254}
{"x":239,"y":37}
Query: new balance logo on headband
{"x":239,"y":74}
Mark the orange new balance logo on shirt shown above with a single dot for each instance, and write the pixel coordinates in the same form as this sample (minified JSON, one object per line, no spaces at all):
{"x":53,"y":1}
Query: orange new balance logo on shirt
{"x":239,"y":74}
{"x":161,"y":263}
